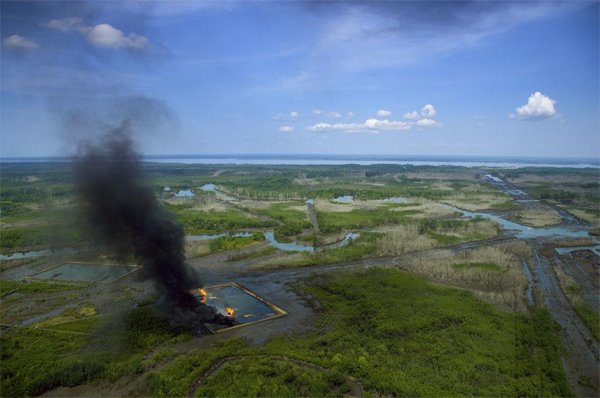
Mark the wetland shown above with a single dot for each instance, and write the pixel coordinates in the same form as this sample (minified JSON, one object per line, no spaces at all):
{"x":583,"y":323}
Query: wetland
{"x":391,"y":277}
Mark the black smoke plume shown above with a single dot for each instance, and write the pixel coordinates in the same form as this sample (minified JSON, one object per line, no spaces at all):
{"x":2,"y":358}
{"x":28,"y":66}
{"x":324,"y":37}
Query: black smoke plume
{"x":125,"y":215}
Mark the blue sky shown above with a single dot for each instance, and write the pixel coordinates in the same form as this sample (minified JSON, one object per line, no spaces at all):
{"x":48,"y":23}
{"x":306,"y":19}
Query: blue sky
{"x":426,"y":78}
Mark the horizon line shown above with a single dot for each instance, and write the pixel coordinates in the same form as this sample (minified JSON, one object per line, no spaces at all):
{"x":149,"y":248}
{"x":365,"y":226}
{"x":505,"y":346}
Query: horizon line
{"x":324,"y":156}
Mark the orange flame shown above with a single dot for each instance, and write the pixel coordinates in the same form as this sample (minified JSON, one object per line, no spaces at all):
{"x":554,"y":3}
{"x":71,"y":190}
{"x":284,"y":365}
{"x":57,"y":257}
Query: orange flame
{"x":230,"y":311}
{"x":203,"y":295}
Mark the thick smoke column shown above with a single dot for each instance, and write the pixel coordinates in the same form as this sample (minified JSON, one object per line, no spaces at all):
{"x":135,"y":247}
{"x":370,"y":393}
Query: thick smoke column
{"x":127,"y":216}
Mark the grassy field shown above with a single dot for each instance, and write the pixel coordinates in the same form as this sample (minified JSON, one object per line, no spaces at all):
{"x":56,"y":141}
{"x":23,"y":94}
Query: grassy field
{"x":537,"y":217}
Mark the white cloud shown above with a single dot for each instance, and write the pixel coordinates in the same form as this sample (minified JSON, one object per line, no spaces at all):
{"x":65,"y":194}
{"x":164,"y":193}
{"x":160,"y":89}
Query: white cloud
{"x":68,"y":24}
{"x":374,"y":35}
{"x":101,"y":35}
{"x":411,"y":115}
{"x":317,"y":111}
{"x":346,"y":127}
{"x":350,"y":115}
{"x":373,"y":125}
{"x":428,"y":123}
{"x":16,"y":41}
{"x":383,"y":113}
{"x":369,"y":126}
{"x":428,"y":111}
{"x":334,"y":114}
{"x":104,"y":35}
{"x":287,"y":116}
{"x":386,"y":124}
{"x":538,"y":107}
{"x":286,"y":129}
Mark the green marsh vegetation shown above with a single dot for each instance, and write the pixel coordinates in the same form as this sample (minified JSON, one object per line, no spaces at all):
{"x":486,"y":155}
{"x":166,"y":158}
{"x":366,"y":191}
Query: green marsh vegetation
{"x":398,"y":335}
{"x":395,"y":333}
{"x":573,"y":292}
{"x":558,"y":184}
{"x":261,"y":377}
{"x":39,"y":197}
{"x":82,"y":351}
{"x":225,"y":243}
{"x":201,"y":222}
{"x":493,"y":273}
{"x":7,"y":286}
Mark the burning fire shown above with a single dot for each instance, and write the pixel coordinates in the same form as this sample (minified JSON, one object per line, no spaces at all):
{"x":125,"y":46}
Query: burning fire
{"x":202,"y":295}
{"x":230,"y":311}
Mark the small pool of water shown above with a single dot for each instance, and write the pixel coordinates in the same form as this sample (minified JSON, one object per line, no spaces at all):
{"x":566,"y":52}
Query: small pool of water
{"x":270,"y":238}
{"x":310,"y":201}
{"x":292,"y":246}
{"x":247,"y":306}
{"x":84,"y":272}
{"x":568,"y":250}
{"x":221,"y":195}
{"x":347,"y":240}
{"x":216,"y":236}
{"x":523,"y":231}
{"x":493,"y":178}
{"x":185,"y":193}
{"x":344,"y":199}
{"x":208,"y":187}
{"x":530,"y":282}
{"x":40,"y":253}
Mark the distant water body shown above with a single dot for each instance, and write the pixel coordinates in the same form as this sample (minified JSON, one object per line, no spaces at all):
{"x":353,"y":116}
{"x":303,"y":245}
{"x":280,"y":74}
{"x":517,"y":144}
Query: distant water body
{"x":241,"y":159}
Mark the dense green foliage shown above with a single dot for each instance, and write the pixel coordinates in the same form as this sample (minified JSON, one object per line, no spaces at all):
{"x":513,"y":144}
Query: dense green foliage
{"x":224,"y":243}
{"x":293,"y":221}
{"x":200,"y":222}
{"x":73,"y":353}
{"x":590,"y":317}
{"x":265,"y":377}
{"x":360,"y":219}
{"x":400,"y":336}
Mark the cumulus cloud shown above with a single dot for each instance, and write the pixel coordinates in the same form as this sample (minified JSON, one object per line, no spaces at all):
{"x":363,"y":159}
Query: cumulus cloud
{"x":19,"y":42}
{"x":386,"y":124}
{"x":334,"y":114}
{"x":104,"y":35}
{"x":428,"y":123}
{"x":286,"y":129}
{"x":68,"y":24}
{"x":317,"y":112}
{"x":350,"y":115}
{"x":428,"y":111}
{"x":101,"y":35}
{"x":538,"y":107}
{"x":345,"y":127}
{"x":287,"y":116}
{"x":425,"y":118}
{"x":411,"y":115}
{"x":368,"y":126}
